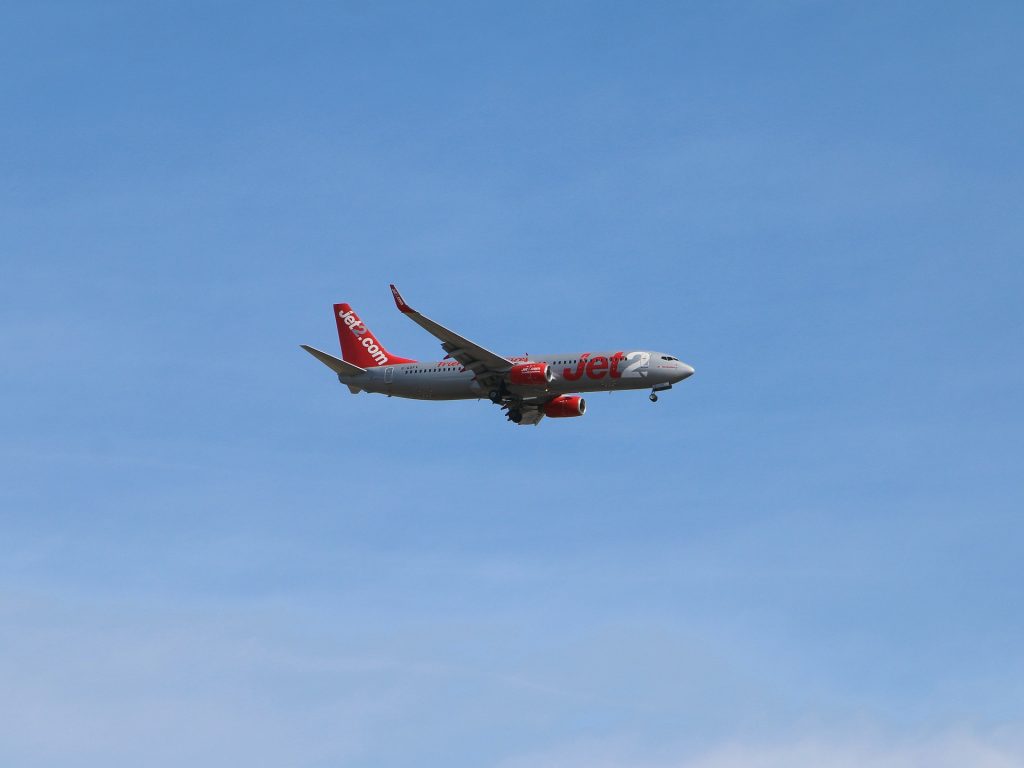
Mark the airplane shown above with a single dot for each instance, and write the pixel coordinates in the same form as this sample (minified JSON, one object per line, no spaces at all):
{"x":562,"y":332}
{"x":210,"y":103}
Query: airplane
{"x":528,"y":388}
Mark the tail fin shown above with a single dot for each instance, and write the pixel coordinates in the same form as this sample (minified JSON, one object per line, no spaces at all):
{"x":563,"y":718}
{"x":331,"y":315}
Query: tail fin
{"x":358,"y":344}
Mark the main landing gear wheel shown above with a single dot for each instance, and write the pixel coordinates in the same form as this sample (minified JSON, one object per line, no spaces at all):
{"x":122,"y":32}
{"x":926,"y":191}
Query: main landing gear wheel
{"x":494,"y":396}
{"x":515,"y":416}
{"x":654,"y":397}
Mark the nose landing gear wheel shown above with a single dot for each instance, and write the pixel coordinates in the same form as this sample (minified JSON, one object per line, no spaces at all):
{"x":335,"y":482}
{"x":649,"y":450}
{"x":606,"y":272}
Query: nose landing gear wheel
{"x":653,"y":397}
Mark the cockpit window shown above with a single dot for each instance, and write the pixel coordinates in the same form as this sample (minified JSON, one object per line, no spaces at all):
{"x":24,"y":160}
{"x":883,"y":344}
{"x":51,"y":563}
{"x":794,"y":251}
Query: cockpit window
{"x":666,"y":357}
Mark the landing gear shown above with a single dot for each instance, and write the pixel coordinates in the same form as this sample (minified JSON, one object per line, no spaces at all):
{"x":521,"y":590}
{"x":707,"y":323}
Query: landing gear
{"x":515,"y":416}
{"x":658,"y":388}
{"x":499,"y":394}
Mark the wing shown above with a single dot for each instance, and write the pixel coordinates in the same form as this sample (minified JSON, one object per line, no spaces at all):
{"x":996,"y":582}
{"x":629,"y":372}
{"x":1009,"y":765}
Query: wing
{"x":487,"y":366}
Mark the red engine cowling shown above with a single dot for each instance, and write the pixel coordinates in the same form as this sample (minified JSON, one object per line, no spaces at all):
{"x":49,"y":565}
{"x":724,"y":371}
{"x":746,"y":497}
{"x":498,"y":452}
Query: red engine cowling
{"x":531,"y":375}
{"x":564,"y":407}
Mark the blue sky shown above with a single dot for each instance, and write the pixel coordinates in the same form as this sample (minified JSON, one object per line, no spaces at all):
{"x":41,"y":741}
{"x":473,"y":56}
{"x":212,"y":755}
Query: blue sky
{"x":806,"y":555}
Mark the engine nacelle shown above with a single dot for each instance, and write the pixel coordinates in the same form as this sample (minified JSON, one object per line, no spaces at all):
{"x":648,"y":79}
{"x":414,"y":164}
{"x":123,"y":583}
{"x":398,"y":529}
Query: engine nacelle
{"x":531,"y":375}
{"x":565,"y":407}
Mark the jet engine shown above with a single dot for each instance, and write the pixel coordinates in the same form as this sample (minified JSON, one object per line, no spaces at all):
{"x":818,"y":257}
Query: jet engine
{"x":531,"y":375}
{"x":565,"y":406}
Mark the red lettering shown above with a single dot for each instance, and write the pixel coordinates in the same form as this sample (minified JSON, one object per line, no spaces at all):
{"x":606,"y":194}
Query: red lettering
{"x":572,"y":375}
{"x":616,"y":359}
{"x":597,"y":367}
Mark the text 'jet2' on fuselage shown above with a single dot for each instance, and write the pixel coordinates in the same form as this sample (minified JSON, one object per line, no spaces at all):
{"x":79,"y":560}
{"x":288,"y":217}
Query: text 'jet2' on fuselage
{"x":528,"y":388}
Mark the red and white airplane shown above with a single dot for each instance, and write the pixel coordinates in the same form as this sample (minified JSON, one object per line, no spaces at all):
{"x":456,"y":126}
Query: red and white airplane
{"x":527,"y":388}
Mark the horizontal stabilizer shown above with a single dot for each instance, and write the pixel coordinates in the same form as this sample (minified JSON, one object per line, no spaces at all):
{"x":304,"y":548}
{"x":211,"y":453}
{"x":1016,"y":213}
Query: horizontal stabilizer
{"x":336,"y":365}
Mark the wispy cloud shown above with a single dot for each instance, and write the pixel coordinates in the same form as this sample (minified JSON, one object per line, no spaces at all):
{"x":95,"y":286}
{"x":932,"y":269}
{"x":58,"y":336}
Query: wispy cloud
{"x":953,"y":748}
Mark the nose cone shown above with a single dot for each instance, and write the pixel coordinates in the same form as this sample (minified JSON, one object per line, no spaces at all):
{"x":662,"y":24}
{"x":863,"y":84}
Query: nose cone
{"x":685,"y":371}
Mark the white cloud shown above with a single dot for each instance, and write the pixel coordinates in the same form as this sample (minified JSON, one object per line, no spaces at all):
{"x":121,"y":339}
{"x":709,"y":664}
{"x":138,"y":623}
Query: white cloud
{"x":954,"y":748}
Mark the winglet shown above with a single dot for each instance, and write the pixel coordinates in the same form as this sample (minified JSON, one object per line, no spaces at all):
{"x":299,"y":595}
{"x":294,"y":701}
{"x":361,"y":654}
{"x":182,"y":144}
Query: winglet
{"x":399,"y":301}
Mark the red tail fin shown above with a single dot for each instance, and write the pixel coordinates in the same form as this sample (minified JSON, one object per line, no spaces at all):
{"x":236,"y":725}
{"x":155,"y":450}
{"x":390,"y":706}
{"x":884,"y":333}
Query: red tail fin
{"x":358,"y":344}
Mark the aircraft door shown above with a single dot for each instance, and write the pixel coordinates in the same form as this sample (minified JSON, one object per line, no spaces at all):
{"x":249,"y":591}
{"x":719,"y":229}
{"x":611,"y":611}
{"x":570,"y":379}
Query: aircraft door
{"x":638,"y":365}
{"x":645,"y":363}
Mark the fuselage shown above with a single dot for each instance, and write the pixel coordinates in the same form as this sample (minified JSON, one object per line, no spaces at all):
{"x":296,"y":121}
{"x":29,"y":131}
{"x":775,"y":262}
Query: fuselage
{"x":575,"y":372}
